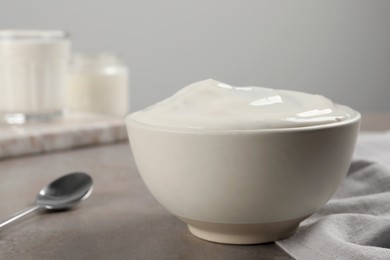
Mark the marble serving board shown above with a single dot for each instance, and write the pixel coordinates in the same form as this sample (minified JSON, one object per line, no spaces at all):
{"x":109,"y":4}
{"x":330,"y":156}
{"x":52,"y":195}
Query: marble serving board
{"x":74,"y":130}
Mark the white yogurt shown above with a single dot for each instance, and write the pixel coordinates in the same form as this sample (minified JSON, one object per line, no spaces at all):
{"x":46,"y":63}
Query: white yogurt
{"x":210,"y":104}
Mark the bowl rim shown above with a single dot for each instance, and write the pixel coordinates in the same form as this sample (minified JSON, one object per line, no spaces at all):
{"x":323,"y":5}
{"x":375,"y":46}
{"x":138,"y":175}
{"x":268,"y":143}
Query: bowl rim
{"x":350,"y":121}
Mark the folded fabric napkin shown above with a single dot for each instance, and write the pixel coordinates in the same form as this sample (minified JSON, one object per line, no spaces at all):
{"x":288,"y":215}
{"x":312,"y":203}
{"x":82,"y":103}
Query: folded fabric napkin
{"x":355,"y":223}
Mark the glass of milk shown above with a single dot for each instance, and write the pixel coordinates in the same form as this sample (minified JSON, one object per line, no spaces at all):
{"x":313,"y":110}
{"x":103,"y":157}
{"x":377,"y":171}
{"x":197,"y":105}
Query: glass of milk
{"x":33,"y":73}
{"x":98,"y":83}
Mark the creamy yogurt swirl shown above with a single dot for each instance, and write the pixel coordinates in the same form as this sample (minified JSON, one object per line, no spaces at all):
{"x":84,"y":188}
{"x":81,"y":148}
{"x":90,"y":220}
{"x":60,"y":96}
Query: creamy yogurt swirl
{"x":210,"y":104}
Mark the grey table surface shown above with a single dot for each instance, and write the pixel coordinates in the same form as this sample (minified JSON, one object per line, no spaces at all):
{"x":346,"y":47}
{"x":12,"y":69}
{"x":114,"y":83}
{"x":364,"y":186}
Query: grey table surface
{"x":121,"y":220}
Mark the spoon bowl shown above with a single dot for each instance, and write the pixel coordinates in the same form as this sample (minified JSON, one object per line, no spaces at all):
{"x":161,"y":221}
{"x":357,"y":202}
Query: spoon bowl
{"x":65,"y":192}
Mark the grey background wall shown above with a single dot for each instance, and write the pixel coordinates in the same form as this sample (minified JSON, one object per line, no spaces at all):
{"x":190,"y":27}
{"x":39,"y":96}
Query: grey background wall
{"x":338,"y":48}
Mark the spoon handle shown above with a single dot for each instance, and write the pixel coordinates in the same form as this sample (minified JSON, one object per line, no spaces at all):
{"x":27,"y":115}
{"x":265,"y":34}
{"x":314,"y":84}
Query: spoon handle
{"x":19,"y":215}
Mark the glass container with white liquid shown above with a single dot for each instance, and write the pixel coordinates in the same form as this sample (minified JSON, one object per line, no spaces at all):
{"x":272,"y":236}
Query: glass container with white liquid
{"x":33,"y":73}
{"x":98,"y":83}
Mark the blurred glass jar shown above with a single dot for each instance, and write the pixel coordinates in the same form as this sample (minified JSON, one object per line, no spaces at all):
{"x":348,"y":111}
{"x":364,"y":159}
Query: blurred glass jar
{"x":98,"y":83}
{"x":33,"y":72}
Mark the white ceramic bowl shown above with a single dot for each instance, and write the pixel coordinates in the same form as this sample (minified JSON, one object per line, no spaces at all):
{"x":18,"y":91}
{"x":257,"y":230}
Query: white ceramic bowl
{"x":243,"y":186}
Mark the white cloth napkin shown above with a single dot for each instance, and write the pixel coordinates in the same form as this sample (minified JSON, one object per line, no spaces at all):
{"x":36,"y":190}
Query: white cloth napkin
{"x":355,"y":223}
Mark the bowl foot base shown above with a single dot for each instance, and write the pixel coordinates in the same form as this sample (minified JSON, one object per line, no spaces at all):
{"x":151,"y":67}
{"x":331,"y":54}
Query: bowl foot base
{"x":242,"y":233}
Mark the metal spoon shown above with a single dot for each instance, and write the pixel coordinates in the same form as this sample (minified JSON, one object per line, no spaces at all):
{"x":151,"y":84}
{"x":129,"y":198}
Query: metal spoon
{"x":63,"y":193}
